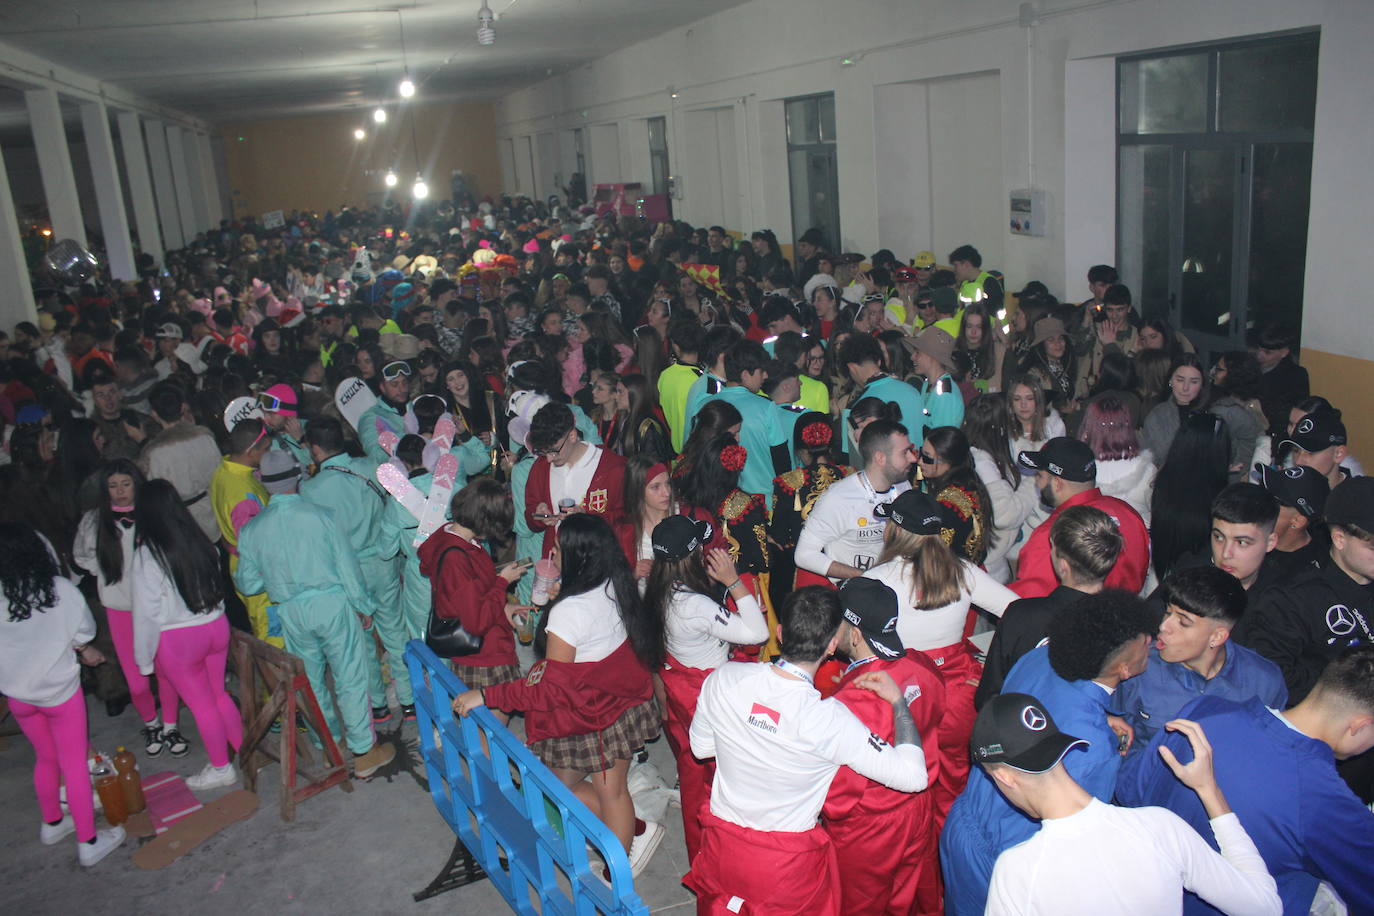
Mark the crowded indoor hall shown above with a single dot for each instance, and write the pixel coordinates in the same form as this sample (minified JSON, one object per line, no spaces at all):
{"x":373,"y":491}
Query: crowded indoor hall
{"x":756,"y":465}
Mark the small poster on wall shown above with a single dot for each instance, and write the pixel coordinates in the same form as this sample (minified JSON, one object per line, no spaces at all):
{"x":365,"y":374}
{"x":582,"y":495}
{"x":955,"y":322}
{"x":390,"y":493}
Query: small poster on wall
{"x":273,"y":219}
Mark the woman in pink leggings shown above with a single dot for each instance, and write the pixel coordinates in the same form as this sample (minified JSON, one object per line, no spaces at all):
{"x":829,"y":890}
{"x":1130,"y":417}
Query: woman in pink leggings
{"x":104,"y":548}
{"x":179,"y":622}
{"x":44,"y":626}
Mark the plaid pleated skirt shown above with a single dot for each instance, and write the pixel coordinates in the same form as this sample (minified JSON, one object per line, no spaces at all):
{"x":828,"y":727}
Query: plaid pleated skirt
{"x":477,"y":676}
{"x":596,"y":751}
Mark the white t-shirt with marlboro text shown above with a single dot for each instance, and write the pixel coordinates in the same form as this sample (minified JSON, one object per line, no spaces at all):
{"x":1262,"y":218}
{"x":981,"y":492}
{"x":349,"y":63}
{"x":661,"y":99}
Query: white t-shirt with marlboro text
{"x":777,"y":745}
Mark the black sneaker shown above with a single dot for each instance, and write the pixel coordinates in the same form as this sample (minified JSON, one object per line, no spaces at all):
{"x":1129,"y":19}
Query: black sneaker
{"x":408,"y":712}
{"x":176,"y":745}
{"x":381,"y":714}
{"x":153,"y":742}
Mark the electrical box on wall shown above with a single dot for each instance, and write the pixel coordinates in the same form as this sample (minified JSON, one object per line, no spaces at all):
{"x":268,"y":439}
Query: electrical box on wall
{"x":1027,"y":208}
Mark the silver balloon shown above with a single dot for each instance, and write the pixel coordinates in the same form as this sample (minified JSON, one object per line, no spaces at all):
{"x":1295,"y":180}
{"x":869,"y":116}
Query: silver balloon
{"x":71,"y":262}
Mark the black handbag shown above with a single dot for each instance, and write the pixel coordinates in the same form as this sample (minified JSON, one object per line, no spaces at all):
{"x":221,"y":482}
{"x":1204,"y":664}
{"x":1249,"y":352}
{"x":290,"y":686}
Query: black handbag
{"x":446,"y":635}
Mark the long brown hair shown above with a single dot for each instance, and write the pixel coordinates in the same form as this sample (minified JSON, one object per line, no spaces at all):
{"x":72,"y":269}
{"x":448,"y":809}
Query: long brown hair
{"x":937,"y":574}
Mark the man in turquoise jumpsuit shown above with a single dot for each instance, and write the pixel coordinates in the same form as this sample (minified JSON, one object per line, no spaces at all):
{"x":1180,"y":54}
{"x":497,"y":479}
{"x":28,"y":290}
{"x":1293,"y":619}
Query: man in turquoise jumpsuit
{"x":862,"y":357}
{"x":294,"y":551}
{"x":281,"y":415}
{"x":766,"y":430}
{"x":390,"y":408}
{"x":932,"y":353}
{"x":349,"y":488}
{"x":712,"y":380}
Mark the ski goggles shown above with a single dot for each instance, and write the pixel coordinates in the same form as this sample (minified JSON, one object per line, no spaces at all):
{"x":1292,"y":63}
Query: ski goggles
{"x":394,"y":370}
{"x":273,"y":404}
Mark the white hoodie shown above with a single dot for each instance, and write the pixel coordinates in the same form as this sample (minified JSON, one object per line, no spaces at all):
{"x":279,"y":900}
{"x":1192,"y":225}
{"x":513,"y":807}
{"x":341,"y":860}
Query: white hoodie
{"x":1130,"y":479}
{"x":1010,"y":508}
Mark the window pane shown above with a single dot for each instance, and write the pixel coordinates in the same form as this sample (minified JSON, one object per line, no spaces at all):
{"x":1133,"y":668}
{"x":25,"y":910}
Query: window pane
{"x":827,"y":118}
{"x":1269,"y":87}
{"x":1280,"y":193}
{"x":802,"y":122}
{"x":1208,"y":206}
{"x":658,"y":129}
{"x":1144,"y":216}
{"x":1164,"y":95}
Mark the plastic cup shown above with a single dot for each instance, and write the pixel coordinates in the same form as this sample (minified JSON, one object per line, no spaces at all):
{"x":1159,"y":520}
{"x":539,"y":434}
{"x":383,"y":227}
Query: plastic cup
{"x":524,"y":630}
{"x":565,"y":504}
{"x":545,"y":576}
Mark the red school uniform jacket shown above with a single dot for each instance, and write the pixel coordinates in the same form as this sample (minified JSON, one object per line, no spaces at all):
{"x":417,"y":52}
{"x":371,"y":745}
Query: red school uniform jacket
{"x":465,"y":585}
{"x":605,"y":494}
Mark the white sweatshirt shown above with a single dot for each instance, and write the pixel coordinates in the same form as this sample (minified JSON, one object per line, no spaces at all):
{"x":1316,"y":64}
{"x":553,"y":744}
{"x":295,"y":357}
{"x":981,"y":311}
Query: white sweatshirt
{"x":1105,"y":859}
{"x":778,"y":745}
{"x":1010,"y":508}
{"x":38,"y":664}
{"x":698,"y":632}
{"x":157,"y":607}
{"x":1131,"y":480}
{"x":118,"y":595}
{"x":942,"y":626}
{"x":842,"y":527}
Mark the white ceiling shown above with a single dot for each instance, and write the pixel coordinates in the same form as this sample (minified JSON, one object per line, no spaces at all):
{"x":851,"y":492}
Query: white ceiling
{"x":226,"y":60}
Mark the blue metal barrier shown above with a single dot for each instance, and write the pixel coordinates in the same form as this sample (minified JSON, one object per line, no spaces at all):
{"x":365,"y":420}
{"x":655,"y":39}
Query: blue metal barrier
{"x":497,"y":797}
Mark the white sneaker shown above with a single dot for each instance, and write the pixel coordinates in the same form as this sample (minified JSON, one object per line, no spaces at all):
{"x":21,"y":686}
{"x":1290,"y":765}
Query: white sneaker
{"x":53,"y":833}
{"x":213,"y":777}
{"x":644,"y":845}
{"x":106,"y":842}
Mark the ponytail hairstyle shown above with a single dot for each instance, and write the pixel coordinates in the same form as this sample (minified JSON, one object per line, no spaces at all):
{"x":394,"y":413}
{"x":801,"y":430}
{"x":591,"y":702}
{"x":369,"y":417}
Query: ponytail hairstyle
{"x":937,"y":575}
{"x":667,"y":577}
{"x":591,"y":558}
{"x":27,"y":571}
{"x":176,"y":542}
{"x":109,"y":549}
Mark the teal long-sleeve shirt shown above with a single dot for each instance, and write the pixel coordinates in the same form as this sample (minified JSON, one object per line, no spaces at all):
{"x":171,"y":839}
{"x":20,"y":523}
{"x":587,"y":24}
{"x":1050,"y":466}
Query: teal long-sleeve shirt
{"x":348,"y":487}
{"x":294,"y":547}
{"x":765,"y":427}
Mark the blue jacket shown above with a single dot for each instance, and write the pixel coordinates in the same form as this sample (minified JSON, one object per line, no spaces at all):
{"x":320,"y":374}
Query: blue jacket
{"x":887,"y":388}
{"x":1155,"y":697}
{"x":944,"y":405}
{"x":1079,"y":708}
{"x":1304,"y":820}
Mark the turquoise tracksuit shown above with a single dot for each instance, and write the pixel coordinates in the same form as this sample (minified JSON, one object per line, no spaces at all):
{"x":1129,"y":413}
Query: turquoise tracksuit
{"x":584,"y":425}
{"x":367,"y":429}
{"x":528,"y":544}
{"x":296,"y":552}
{"x":348,"y":487}
{"x":702,"y":390}
{"x":399,"y":527}
{"x":887,"y":388}
{"x":285,"y":442}
{"x":765,"y":426}
{"x":944,"y":405}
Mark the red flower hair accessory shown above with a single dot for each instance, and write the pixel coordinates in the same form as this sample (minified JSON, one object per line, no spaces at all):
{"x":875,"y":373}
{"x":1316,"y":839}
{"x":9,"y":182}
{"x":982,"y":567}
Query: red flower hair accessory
{"x":732,"y":457}
{"x":816,"y":434}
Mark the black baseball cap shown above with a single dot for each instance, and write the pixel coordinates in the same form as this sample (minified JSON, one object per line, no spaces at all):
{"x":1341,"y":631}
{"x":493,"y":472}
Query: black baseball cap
{"x":677,"y":536}
{"x":915,"y":511}
{"x":1063,"y":457}
{"x":1352,"y":503}
{"x":871,"y":606}
{"x":1317,"y":431}
{"x":1301,"y":488}
{"x":1017,"y":730}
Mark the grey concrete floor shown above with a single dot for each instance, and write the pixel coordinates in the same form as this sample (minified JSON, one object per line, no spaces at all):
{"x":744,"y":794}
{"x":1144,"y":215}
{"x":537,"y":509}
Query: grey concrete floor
{"x":362,"y":852}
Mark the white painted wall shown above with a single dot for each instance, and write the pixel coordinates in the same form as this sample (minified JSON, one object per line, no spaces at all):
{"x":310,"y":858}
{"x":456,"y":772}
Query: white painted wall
{"x":1054,"y":109}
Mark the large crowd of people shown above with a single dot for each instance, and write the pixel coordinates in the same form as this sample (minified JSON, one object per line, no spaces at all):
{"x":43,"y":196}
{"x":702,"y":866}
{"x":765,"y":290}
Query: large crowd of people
{"x":945,"y":599}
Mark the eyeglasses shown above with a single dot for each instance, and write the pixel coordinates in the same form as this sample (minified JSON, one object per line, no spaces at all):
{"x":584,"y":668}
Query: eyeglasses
{"x":391,"y":371}
{"x":925,"y":459}
{"x":550,"y":452}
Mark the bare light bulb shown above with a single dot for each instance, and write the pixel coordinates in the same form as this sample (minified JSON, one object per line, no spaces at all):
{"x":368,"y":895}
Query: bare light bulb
{"x":379,"y":115}
{"x":359,"y":134}
{"x":420,"y":190}
{"x":391,"y":178}
{"x":486,"y":35}
{"x":407,"y":88}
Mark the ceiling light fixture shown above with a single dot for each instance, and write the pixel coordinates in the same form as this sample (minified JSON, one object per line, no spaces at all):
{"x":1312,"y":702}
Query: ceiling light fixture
{"x":407,"y":88}
{"x":420,"y":190}
{"x":359,"y":134}
{"x":486,"y":35}
{"x":391,"y":178}
{"x":379,"y":115}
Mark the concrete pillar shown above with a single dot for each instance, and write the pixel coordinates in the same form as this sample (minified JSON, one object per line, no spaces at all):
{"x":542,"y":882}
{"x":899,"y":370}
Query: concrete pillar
{"x":181,"y":177}
{"x":214,"y":203}
{"x":55,"y":163}
{"x":155,"y":132}
{"x":109,"y":196}
{"x":140,"y":185}
{"x":195,"y":172}
{"x":16,"y":295}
